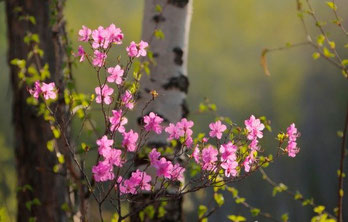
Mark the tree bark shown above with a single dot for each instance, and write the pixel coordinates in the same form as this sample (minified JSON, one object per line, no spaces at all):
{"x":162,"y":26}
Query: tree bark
{"x":33,"y":160}
{"x":169,"y":76}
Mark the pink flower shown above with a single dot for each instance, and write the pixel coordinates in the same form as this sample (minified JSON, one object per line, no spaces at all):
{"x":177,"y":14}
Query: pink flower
{"x":104,"y":144}
{"x":230,"y":168}
{"x":117,"y":121}
{"x":104,"y":94}
{"x":116,"y":74}
{"x":177,"y":172}
{"x":130,"y":140}
{"x":141,"y":179}
{"x":113,"y":35}
{"x":249,"y":160}
{"x":164,"y":168}
{"x":209,"y":157}
{"x":174,"y":131}
{"x":292,"y":148}
{"x":99,"y":58}
{"x":196,"y":154}
{"x":103,"y":171}
{"x":254,"y":127}
{"x":128,"y":186}
{"x":127,"y":100}
{"x":186,"y":126}
{"x":136,"y":50}
{"x":152,"y":122}
{"x":84,"y":34}
{"x":153,"y":156}
{"x":81,"y":52}
{"x":113,"y":156}
{"x":99,"y":36}
{"x":228,"y":152}
{"x":35,"y":92}
{"x":216,"y":129}
{"x":49,"y":90}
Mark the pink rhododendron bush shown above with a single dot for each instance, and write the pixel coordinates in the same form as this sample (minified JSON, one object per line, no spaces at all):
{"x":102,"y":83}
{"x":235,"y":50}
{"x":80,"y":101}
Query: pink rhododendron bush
{"x":125,"y":166}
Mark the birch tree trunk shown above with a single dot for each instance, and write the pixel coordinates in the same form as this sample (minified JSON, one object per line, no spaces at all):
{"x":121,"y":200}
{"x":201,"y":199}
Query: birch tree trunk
{"x":34,"y":162}
{"x":169,"y":76}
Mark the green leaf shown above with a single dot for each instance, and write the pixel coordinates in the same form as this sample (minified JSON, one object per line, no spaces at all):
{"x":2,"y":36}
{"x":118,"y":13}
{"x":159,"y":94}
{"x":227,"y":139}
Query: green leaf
{"x":159,"y":34}
{"x":60,"y":157}
{"x":240,"y":200}
{"x":316,"y":55}
{"x":50,"y":145}
{"x":298,"y":196}
{"x":327,"y":53}
{"x":202,"y":210}
{"x":56,"y":132}
{"x":319,"y":209}
{"x":236,"y":218}
{"x":320,"y":40}
{"x":255,"y":212}
{"x":158,"y":8}
{"x":285,"y":217}
{"x":219,"y":198}
{"x":345,"y":62}
{"x":32,"y":20}
{"x":332,"y":5}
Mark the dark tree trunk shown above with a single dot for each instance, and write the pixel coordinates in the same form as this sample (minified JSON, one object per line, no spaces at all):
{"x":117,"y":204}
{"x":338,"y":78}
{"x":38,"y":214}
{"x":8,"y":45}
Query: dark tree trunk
{"x":33,"y":160}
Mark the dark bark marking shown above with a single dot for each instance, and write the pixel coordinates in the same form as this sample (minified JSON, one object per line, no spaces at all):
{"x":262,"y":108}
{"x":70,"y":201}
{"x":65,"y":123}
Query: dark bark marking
{"x":185,"y":109}
{"x":180,"y":82}
{"x":155,"y":54}
{"x":152,"y":80}
{"x":178,"y":53}
{"x":159,"y":18}
{"x":147,"y":90}
{"x":179,"y":3}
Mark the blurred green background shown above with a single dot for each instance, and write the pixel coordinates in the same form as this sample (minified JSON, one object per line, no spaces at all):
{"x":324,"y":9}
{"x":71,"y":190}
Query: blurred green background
{"x":226,"y":40}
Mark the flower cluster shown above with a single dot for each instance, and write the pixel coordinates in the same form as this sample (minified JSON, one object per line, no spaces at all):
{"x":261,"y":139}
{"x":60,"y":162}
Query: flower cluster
{"x":181,"y":129}
{"x":47,"y":90}
{"x":254,"y":128}
{"x":138,"y":181}
{"x":292,"y":134}
{"x":165,"y":167}
{"x":101,"y":40}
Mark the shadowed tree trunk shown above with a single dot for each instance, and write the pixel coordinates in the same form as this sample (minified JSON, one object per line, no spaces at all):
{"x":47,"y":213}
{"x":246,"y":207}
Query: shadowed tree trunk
{"x":169,"y":76}
{"x":33,"y":160}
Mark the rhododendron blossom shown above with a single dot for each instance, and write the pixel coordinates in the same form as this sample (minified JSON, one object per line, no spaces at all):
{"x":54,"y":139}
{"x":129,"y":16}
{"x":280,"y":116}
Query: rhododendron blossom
{"x":103,"y":144}
{"x":81,"y":53}
{"x":116,"y":74}
{"x":104,"y":94}
{"x":139,"y":180}
{"x":216,"y":129}
{"x":99,"y":58}
{"x":127,"y":100}
{"x":228,"y":152}
{"x":118,"y":121}
{"x":35,"y":92}
{"x":254,"y":128}
{"x":84,"y":34}
{"x":249,"y":160}
{"x":152,"y":122}
{"x":209,"y":157}
{"x":103,"y":172}
{"x":292,"y":133}
{"x":130,"y":140}
{"x":49,"y":90}
{"x":230,"y":168}
{"x":137,"y":50}
{"x":174,"y":131}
